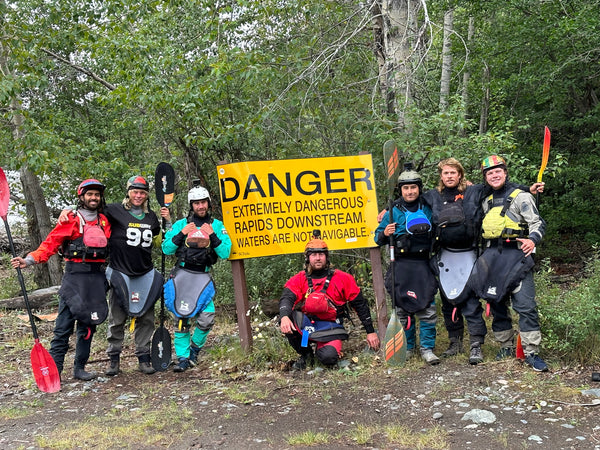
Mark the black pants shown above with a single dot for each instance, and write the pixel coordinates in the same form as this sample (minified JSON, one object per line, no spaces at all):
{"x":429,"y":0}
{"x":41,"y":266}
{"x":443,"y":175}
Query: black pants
{"x":472,"y":311}
{"x":63,"y":329}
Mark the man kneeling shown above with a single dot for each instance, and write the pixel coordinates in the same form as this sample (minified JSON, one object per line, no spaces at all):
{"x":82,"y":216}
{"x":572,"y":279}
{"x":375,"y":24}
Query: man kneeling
{"x":313,"y":304}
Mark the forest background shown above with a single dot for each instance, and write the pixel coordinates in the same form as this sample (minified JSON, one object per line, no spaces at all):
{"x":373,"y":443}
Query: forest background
{"x":108,"y":89}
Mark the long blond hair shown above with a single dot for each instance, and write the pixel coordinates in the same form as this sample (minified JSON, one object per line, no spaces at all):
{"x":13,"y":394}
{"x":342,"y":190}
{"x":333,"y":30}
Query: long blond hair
{"x":452,"y":162}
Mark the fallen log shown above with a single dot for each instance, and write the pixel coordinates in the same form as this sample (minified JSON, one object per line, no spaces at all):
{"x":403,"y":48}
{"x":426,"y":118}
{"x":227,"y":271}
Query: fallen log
{"x":38,"y":299}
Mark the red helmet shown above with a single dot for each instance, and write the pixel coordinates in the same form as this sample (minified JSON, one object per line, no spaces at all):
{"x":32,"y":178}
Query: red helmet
{"x":88,"y":184}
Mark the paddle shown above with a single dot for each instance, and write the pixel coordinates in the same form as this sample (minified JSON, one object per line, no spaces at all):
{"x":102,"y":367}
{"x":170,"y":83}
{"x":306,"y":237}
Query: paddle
{"x":545,"y":155}
{"x":160,"y":353}
{"x":520,"y":354}
{"x":44,"y":368}
{"x":394,"y":342}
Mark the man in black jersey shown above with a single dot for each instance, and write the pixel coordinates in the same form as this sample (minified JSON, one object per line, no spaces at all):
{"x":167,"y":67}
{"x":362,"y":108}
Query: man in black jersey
{"x":136,"y":284}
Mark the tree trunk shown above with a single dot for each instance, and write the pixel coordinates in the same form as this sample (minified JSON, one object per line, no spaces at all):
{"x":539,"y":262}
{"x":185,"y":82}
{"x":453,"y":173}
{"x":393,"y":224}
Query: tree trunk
{"x":38,"y":226}
{"x":467,"y":74}
{"x":446,"y":60}
{"x":37,"y":210}
{"x":397,"y":44}
{"x":485,"y":102}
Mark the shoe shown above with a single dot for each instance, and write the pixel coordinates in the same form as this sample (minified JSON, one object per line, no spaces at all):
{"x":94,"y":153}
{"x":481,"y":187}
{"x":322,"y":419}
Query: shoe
{"x":113,"y":367}
{"x":81,"y":374}
{"x":536,"y":363}
{"x":303,"y":361}
{"x":182,"y":365}
{"x":505,"y":352}
{"x":429,"y":357}
{"x":146,"y":368}
{"x":476,"y":356}
{"x":194,"y":351}
{"x":455,"y":347}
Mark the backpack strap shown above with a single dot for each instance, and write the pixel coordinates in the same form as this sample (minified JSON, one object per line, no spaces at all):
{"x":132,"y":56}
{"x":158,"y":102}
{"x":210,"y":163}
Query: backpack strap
{"x":325,"y":285}
{"x":508,"y":200}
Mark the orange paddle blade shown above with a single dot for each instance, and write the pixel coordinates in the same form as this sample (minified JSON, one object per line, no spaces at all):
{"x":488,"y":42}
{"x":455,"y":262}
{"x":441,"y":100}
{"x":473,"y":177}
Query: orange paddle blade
{"x":394,"y":345}
{"x":545,"y":153}
{"x":44,"y":369}
{"x":520,"y":353}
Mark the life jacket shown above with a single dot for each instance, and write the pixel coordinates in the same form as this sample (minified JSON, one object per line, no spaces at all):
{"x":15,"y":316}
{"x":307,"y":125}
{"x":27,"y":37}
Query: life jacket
{"x":91,"y":244}
{"x":417,"y":239}
{"x":497,"y":224}
{"x":317,"y":303}
{"x":197,"y":259}
{"x":452,"y":228}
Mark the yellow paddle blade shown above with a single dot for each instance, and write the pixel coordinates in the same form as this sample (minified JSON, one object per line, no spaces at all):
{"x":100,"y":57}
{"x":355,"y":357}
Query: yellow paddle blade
{"x":545,"y":154}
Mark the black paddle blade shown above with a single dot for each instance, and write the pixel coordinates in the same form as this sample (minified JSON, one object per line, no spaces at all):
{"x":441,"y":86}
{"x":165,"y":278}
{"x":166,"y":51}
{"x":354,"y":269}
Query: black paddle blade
{"x":160,"y":352}
{"x":44,"y":369}
{"x":164,"y":181}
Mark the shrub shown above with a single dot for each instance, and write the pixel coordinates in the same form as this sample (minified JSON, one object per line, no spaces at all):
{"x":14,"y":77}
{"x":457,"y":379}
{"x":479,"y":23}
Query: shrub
{"x":570,"y":315}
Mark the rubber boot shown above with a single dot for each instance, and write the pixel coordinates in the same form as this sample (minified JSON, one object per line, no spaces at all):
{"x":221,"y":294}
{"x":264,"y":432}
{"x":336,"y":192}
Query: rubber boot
{"x":79,"y":373}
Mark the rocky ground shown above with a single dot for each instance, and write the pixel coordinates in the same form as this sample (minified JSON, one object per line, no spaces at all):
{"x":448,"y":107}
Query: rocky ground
{"x":363,"y":404}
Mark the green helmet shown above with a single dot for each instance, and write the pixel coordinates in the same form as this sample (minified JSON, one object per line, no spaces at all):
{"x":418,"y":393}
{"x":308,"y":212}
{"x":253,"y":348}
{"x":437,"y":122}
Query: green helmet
{"x":410,"y":176}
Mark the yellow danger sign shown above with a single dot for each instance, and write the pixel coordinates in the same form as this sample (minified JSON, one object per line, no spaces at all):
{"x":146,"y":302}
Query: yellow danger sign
{"x":272,"y":207}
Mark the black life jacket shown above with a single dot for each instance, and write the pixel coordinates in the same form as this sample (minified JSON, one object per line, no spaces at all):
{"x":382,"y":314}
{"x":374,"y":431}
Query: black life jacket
{"x":194,"y":258}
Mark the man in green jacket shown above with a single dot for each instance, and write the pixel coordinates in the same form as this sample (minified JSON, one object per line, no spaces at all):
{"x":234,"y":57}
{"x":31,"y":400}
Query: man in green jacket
{"x":198,"y":241}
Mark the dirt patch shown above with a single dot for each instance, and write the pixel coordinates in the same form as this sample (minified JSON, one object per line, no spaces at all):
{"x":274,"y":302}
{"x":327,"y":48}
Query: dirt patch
{"x":362,"y":405}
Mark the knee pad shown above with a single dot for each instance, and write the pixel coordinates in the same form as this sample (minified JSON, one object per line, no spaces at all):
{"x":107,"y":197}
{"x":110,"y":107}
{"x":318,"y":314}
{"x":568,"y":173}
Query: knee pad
{"x":327,"y":355}
{"x":205,"y":320}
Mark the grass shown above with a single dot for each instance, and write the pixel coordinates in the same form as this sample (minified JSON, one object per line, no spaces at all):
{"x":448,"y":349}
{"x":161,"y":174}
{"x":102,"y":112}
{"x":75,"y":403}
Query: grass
{"x":122,"y":429}
{"x":433,"y":438}
{"x":309,"y":438}
{"x":11,"y":412}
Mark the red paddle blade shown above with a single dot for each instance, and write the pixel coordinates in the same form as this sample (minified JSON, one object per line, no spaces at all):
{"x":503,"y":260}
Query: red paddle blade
{"x":4,"y":195}
{"x":44,"y":369}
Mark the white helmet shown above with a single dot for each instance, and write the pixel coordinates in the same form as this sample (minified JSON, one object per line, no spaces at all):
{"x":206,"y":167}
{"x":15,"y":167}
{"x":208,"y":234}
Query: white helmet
{"x":198,"y":193}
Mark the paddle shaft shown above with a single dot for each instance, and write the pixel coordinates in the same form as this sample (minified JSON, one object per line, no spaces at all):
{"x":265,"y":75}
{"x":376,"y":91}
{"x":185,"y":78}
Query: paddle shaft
{"x":162,"y":271}
{"x":21,"y":280}
{"x":392,"y":165}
